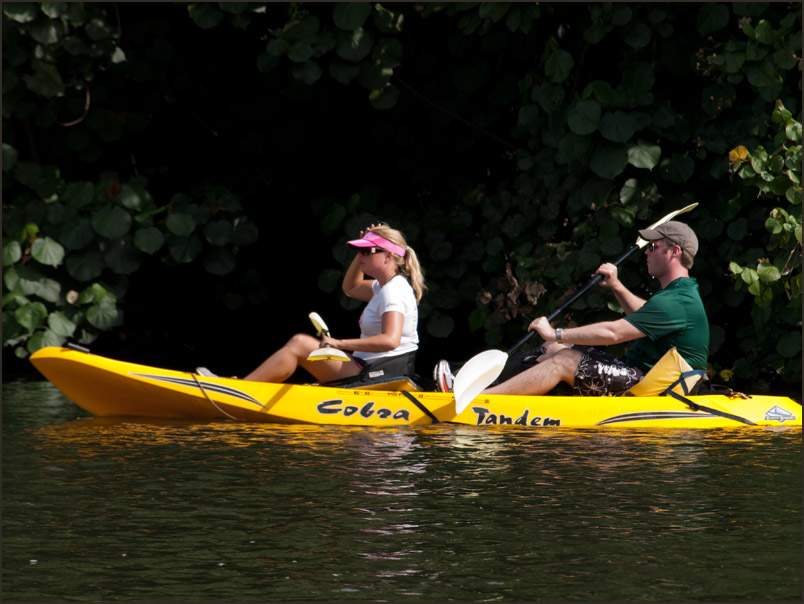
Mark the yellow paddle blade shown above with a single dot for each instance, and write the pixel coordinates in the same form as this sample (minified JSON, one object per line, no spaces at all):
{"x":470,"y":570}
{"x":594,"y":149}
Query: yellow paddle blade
{"x":328,"y":354}
{"x":642,"y":243}
{"x":320,"y":327}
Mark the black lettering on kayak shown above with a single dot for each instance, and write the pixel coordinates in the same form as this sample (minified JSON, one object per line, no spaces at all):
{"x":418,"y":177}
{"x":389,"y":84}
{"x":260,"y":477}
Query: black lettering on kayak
{"x":481,"y":414}
{"x":488,"y":419}
{"x":334,"y":407}
{"x":328,"y":407}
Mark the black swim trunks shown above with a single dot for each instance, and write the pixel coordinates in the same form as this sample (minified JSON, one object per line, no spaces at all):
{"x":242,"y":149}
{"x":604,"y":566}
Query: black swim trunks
{"x":601,"y":374}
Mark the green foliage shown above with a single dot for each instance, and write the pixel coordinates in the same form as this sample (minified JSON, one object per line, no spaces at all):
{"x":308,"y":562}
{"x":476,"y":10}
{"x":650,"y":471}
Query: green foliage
{"x":774,"y":280}
{"x":349,"y":41}
{"x":517,"y":145}
{"x":55,"y":50}
{"x":69,"y":247}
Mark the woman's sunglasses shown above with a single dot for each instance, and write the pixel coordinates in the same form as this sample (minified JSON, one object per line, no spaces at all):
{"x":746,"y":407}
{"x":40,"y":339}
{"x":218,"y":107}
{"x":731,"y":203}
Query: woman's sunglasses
{"x":367,"y":251}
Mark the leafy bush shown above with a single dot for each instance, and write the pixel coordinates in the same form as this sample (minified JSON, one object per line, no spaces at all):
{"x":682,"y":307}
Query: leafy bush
{"x":69,"y":247}
{"x":775,"y":279}
{"x":518,"y":146}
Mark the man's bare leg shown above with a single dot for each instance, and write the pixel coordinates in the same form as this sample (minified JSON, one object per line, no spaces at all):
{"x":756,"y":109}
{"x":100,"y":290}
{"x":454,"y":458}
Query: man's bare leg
{"x":557,"y":366}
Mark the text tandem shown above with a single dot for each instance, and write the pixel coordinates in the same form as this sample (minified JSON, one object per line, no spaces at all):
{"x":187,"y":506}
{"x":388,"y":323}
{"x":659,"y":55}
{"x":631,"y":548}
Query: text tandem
{"x":486,"y":418}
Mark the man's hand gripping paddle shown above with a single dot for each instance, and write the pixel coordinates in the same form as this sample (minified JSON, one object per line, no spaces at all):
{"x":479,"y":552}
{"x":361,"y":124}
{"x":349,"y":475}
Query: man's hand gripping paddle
{"x":481,"y":370}
{"x":326,"y":353}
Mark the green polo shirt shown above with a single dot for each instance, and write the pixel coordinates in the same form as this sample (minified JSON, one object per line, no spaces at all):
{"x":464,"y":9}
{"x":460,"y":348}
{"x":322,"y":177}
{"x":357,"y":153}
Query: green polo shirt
{"x":673,"y":316}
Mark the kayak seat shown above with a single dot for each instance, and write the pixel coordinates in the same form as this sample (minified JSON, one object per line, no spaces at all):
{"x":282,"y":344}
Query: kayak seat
{"x":392,"y":383}
{"x":671,"y":374}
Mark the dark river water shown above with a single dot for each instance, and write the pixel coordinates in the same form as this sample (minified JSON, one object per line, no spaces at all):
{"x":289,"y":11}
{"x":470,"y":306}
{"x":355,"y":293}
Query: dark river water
{"x":123,"y":510}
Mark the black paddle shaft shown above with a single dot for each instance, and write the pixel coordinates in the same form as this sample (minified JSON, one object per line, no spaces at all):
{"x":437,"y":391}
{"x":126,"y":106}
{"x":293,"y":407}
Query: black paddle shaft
{"x":592,"y":282}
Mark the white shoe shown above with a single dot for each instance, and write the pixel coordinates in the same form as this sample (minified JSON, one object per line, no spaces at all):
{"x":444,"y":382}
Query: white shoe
{"x":443,"y":376}
{"x":203,"y":371}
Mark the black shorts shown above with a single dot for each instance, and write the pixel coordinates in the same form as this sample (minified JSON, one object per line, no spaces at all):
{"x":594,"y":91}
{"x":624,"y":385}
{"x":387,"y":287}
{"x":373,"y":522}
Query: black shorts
{"x":601,"y":374}
{"x":385,"y":367}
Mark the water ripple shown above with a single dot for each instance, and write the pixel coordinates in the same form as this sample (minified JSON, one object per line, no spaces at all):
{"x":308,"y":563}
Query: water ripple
{"x":111,"y":509}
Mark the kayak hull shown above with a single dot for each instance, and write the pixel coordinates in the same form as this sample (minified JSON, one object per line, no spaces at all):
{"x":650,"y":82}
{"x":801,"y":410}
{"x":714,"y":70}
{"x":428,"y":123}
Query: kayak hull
{"x":107,"y":387}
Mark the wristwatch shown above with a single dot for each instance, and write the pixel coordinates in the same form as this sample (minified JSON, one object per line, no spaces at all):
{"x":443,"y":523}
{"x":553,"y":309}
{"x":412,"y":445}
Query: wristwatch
{"x":559,"y":334}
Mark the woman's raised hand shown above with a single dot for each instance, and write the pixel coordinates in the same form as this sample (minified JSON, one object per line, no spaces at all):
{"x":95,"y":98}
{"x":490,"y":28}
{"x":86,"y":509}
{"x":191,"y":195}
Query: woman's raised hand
{"x":362,"y":233}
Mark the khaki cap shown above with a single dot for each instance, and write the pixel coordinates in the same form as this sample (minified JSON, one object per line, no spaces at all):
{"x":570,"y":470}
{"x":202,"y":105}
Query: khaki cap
{"x":677,"y":232}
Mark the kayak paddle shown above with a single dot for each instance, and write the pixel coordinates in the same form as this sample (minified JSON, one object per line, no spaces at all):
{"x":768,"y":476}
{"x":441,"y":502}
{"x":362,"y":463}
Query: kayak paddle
{"x":326,"y":353}
{"x":482,"y":369}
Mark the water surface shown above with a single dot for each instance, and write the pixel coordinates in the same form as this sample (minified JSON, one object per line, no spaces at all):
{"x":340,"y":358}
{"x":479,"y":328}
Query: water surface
{"x":122,"y":510}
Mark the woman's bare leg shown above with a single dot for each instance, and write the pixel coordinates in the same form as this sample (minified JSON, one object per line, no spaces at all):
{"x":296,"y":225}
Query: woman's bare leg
{"x":284,"y":362}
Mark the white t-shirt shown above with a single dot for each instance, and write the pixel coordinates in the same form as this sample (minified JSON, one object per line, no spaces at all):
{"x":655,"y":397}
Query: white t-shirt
{"x":395,"y":296}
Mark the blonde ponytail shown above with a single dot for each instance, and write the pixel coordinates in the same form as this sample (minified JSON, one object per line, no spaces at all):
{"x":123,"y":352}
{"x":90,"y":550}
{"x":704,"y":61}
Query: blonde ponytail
{"x":415,"y":274}
{"x":409,"y":263}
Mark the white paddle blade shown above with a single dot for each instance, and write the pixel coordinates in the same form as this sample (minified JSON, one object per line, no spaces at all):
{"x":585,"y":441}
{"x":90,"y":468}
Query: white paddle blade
{"x":328,"y":354}
{"x":476,"y":375}
{"x":642,"y":243}
{"x":318,"y":323}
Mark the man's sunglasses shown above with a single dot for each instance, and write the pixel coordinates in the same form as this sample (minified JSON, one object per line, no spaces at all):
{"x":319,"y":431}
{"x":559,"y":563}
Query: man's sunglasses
{"x":653,"y":246}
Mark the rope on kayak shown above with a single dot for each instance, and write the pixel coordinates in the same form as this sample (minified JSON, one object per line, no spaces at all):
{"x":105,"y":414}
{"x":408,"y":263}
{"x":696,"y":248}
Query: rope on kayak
{"x":209,"y":399}
{"x":424,"y":409}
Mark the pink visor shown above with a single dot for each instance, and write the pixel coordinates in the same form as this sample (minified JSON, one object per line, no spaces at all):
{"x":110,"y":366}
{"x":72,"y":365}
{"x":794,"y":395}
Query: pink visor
{"x":373,"y":240}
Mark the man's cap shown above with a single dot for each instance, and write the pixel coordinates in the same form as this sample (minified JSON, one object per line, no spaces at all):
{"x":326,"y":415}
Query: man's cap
{"x":676,"y":232}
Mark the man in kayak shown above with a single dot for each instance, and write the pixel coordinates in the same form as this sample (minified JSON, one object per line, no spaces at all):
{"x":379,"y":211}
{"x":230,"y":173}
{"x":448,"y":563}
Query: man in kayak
{"x":673,"y":316}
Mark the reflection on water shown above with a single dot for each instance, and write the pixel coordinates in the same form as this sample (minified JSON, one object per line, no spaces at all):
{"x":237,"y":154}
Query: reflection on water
{"x":114,"y":509}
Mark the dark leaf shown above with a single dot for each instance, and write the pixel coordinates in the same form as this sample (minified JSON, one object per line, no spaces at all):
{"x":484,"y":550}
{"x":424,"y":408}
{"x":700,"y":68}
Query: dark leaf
{"x":584,"y":117}
{"x":111,"y":223}
{"x":712,"y":17}
{"x":350,"y":16}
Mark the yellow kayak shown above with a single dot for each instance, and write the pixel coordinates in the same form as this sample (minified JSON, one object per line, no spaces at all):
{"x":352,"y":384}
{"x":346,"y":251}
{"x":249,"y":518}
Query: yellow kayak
{"x":107,"y":387}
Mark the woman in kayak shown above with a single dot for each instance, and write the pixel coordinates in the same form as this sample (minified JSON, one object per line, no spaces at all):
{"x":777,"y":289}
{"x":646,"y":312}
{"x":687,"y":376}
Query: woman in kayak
{"x":388,"y":325}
